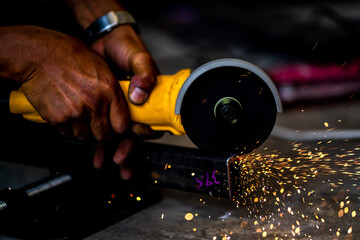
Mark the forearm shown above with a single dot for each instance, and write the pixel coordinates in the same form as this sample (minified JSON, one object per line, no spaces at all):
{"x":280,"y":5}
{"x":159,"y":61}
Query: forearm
{"x":87,"y":11}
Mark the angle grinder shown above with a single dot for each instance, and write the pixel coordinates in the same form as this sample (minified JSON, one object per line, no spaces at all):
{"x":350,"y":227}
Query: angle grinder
{"x":224,"y":106}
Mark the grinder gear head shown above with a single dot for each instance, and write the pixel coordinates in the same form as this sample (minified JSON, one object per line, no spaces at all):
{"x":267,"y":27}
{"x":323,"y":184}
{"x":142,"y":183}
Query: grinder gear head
{"x":228,"y":106}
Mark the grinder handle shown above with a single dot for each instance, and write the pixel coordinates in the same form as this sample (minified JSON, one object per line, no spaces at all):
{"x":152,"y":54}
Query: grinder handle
{"x":158,"y":111}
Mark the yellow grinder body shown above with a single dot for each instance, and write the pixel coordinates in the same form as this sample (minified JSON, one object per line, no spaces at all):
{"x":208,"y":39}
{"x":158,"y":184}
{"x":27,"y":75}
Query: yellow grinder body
{"x":158,"y":111}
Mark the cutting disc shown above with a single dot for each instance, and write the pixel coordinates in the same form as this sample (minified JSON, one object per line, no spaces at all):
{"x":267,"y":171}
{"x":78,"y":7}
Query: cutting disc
{"x":228,"y":109}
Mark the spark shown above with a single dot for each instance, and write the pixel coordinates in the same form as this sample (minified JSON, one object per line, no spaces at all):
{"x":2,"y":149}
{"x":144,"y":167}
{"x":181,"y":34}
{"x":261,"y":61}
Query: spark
{"x":273,"y":178}
{"x":315,"y":46}
{"x":189,"y":216}
{"x":342,"y":65}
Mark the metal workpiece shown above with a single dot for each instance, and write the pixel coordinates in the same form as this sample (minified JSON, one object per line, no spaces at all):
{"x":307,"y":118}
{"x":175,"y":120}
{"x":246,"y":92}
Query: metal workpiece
{"x":190,"y":170}
{"x":236,"y":177}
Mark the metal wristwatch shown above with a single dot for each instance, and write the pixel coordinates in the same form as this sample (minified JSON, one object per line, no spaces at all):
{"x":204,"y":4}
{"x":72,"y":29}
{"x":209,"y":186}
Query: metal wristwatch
{"x":108,"y":22}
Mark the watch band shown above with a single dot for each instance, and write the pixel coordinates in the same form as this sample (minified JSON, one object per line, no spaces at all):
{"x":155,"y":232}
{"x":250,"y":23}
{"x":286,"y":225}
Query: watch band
{"x":109,"y":21}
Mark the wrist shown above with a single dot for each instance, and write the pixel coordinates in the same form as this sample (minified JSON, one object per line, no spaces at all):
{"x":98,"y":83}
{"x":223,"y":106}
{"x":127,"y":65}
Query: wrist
{"x":88,"y":11}
{"x":108,"y":22}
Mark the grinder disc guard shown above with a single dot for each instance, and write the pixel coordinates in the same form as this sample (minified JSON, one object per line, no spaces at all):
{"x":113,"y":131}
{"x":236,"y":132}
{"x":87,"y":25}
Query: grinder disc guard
{"x":228,"y":109}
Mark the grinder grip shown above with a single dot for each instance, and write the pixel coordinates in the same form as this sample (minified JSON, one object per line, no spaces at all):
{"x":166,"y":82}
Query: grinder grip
{"x":18,"y":103}
{"x":158,"y":111}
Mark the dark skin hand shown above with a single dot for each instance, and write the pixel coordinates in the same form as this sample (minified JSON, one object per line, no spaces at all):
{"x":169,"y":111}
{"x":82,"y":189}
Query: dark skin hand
{"x":122,"y":46}
{"x":70,"y":85}
{"x":125,"y":49}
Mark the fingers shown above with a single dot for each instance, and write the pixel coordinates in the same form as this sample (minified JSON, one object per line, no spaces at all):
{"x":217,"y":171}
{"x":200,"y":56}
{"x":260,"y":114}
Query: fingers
{"x":99,"y":155}
{"x":119,"y":114}
{"x":99,"y":123}
{"x":143,"y":130}
{"x":80,"y":127}
{"x":102,"y":124}
{"x":122,"y":152}
{"x":144,"y":79}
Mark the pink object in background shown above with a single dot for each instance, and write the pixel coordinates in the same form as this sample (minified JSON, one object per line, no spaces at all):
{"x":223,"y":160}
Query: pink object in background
{"x":308,"y":81}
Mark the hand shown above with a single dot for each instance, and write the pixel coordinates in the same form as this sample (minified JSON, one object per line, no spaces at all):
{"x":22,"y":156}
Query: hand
{"x":126,"y":50}
{"x":123,"y":149}
{"x":68,"y":84}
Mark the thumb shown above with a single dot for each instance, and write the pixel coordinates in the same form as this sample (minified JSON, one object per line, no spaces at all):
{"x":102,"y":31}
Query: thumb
{"x":144,"y":79}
